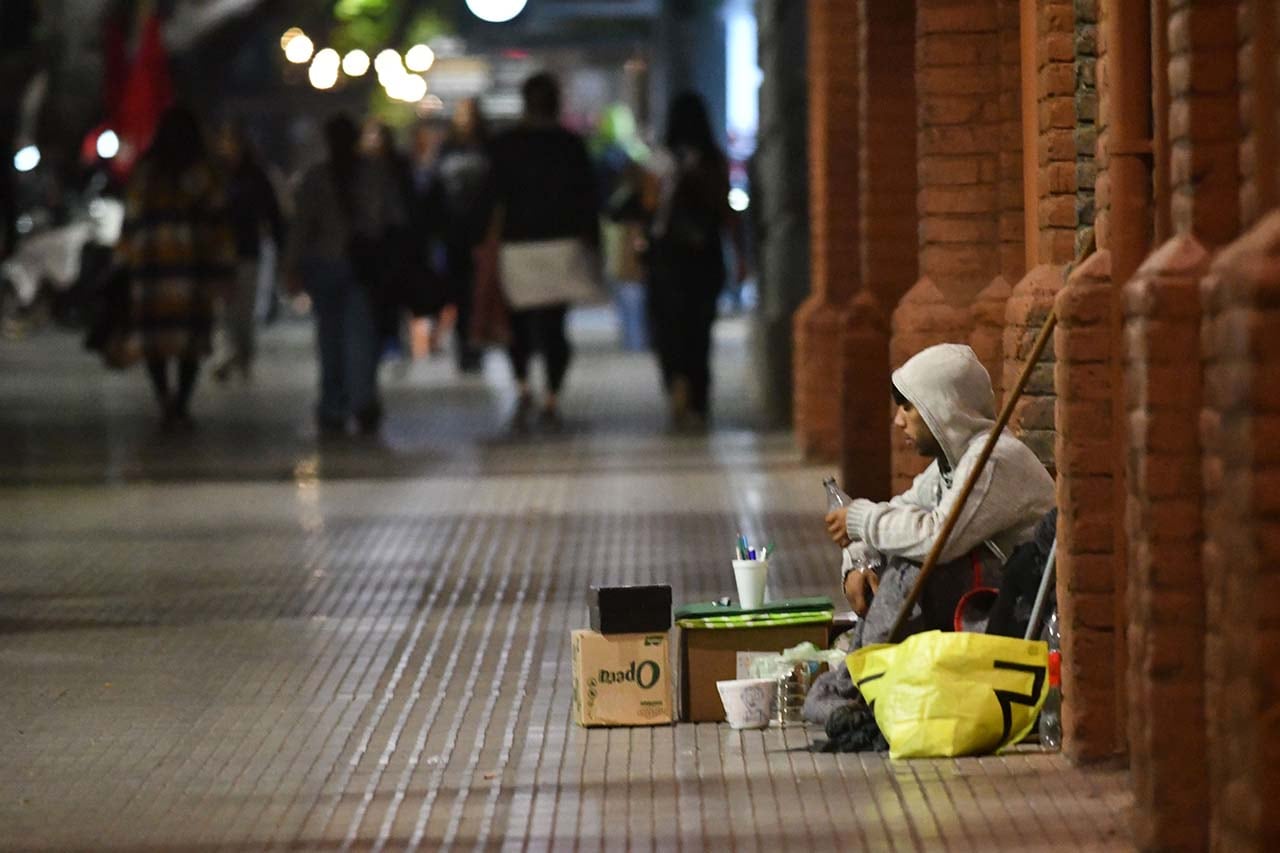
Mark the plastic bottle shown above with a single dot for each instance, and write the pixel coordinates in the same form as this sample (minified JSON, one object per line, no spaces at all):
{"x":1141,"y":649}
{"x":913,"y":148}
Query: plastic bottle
{"x":836,"y":498}
{"x":1051,"y":713}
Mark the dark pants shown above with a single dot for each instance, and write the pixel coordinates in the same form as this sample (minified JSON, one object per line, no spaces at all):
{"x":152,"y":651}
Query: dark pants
{"x":188,"y":371}
{"x":461,"y":284}
{"x":540,"y":330}
{"x":680,"y":327}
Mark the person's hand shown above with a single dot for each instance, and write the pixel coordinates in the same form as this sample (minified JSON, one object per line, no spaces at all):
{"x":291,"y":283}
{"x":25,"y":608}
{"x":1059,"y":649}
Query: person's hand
{"x":836,"y":529}
{"x":859,"y":587}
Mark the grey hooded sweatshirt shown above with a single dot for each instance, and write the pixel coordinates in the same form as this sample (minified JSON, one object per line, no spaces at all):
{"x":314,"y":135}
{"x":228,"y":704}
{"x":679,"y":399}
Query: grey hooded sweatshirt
{"x":952,"y":391}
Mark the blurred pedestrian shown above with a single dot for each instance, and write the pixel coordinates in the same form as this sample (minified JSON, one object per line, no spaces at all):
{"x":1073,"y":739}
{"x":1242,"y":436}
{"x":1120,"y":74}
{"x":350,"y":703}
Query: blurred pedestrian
{"x":686,"y":258}
{"x":378,"y":146}
{"x":464,"y":187}
{"x":177,"y":249}
{"x":546,"y":217}
{"x":345,"y":205}
{"x":255,"y":217}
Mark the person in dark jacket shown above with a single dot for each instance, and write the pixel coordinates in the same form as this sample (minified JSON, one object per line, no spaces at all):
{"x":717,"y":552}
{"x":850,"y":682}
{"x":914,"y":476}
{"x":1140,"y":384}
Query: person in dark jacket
{"x":686,"y":258}
{"x":545,"y":193}
{"x":255,"y":215}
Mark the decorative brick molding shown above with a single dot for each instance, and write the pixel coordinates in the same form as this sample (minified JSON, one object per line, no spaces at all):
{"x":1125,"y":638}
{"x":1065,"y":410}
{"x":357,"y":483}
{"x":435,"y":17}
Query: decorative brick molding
{"x":1086,"y":129}
{"x":833,"y":206}
{"x":987,"y":337}
{"x":1163,"y":525}
{"x":1085,"y":347}
{"x":866,"y":401}
{"x":1025,"y":313}
{"x":1240,"y":431}
{"x":924,"y":317}
{"x":1259,"y":146}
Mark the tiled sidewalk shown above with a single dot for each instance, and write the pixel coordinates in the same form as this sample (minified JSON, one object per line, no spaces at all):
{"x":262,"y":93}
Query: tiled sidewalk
{"x":252,"y":642}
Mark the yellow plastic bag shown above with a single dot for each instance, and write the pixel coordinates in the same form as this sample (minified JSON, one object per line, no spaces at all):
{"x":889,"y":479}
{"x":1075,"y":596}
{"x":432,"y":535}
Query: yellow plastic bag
{"x":937,"y":695}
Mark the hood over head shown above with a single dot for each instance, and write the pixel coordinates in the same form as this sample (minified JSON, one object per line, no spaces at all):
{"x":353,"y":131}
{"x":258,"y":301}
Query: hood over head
{"x":952,"y":391}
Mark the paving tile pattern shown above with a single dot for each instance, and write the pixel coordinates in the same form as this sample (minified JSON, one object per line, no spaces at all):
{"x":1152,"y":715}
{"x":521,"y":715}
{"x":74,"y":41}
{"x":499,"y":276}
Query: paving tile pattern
{"x":255,"y":642}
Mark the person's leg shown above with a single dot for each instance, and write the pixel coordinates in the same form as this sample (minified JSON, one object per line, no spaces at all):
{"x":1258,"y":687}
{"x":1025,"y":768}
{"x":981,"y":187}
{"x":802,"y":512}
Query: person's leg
{"x":158,"y":371}
{"x":188,"y":372}
{"x":519,"y":351}
{"x":697,"y":357}
{"x":361,"y":346}
{"x":239,"y":321}
{"x":322,"y":281}
{"x":462,"y":272}
{"x":556,"y":350}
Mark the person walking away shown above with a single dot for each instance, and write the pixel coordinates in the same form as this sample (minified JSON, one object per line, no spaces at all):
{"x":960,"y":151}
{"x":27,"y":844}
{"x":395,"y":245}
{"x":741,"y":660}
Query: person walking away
{"x":686,"y":258}
{"x":177,"y":249}
{"x":344,"y":206}
{"x":465,"y":187}
{"x":425,"y":218}
{"x":546,"y":218}
{"x":400,"y":273}
{"x":255,"y":215}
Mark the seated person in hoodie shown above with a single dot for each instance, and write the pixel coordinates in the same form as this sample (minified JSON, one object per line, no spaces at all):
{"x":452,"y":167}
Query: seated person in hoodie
{"x":946,"y":409}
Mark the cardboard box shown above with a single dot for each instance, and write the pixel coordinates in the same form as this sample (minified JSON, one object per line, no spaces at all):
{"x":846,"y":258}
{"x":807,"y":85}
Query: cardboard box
{"x":708,"y":655}
{"x":621,"y":679}
{"x":630,"y":609}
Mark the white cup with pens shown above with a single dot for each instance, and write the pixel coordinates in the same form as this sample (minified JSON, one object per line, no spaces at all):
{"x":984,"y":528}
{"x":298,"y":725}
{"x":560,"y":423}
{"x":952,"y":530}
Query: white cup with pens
{"x":750,"y":572}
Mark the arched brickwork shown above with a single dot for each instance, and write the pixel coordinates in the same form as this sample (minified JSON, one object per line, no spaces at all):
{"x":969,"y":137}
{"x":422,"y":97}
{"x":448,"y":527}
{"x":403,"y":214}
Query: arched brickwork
{"x":1085,"y":347}
{"x":1163,"y":520}
{"x":1241,"y":470}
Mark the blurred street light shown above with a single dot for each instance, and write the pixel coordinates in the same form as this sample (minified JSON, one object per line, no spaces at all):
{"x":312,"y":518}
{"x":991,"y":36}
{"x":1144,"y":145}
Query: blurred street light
{"x":323,"y":73}
{"x":26,"y":158}
{"x":419,"y":58}
{"x":108,"y":144}
{"x":299,"y":49}
{"x":496,"y":11}
{"x":355,"y":63}
{"x":288,"y":36}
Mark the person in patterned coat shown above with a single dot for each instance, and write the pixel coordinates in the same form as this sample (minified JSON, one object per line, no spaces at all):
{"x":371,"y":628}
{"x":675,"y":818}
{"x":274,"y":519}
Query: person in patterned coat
{"x":178,"y":249}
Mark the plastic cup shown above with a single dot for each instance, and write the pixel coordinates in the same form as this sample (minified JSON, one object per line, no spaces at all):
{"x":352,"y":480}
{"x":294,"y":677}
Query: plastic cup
{"x":750,"y":576}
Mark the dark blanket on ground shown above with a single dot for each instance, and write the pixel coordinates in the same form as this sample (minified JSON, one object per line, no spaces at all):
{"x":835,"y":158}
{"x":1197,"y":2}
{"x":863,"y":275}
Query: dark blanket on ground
{"x":852,"y":728}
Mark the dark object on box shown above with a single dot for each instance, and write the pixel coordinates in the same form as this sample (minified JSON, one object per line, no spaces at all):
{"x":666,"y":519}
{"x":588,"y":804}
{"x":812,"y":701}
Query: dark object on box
{"x":630,"y":609}
{"x":715,"y":648}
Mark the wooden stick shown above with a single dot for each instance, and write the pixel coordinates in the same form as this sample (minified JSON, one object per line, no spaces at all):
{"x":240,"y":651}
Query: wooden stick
{"x":945,"y":533}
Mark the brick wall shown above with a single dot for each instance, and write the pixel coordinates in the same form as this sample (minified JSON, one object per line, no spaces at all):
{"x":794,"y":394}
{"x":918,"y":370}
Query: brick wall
{"x":866,"y":402}
{"x":1163,"y":520}
{"x":1086,"y":129}
{"x":1085,"y":347}
{"x":1012,"y":232}
{"x":833,"y":208}
{"x":1241,"y":437}
{"x":1204,"y":119}
{"x":1025,"y":313}
{"x":987,"y":336}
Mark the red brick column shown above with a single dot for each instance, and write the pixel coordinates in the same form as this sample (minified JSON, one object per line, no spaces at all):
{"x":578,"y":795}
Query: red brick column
{"x":866,"y":403}
{"x":1085,"y":347}
{"x":1241,"y":436}
{"x":1163,"y":522}
{"x":958,"y":134}
{"x":833,"y":209}
{"x":1259,"y":107}
{"x":1204,"y":119}
{"x":887,"y":128}
{"x":987,"y":336}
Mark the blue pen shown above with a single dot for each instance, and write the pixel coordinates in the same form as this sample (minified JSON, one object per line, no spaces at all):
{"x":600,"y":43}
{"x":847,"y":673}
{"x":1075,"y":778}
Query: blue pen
{"x":751,"y":554}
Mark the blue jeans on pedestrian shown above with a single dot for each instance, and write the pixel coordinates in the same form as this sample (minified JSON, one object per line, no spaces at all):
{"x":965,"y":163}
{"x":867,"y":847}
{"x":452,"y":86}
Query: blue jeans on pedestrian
{"x":346,"y":341}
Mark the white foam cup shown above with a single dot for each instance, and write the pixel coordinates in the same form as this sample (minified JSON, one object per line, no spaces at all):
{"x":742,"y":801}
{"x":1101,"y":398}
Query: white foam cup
{"x":750,"y":576}
{"x":749,"y":703}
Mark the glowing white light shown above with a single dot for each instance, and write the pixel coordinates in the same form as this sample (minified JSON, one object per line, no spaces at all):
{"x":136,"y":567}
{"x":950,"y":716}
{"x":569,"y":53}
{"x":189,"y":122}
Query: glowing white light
{"x":289,"y":35}
{"x":387,"y":62}
{"x":323,"y":73}
{"x":355,"y":63}
{"x":108,"y":144}
{"x":328,"y":58}
{"x":409,"y":88}
{"x":419,"y":58}
{"x":496,"y":11}
{"x":27,"y":158}
{"x":738,"y":199}
{"x":299,"y":49}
